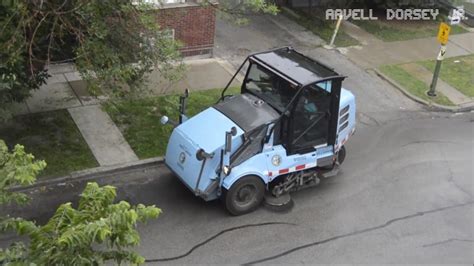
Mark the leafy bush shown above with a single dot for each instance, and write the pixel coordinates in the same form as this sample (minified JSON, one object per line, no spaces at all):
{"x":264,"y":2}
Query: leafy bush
{"x":95,"y":232}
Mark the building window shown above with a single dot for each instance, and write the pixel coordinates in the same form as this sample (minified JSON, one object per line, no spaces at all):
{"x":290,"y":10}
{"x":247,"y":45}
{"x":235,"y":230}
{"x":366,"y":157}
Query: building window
{"x":168,"y":33}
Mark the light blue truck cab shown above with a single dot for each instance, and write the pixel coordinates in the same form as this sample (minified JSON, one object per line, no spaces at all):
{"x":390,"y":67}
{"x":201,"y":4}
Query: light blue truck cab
{"x":284,"y":131}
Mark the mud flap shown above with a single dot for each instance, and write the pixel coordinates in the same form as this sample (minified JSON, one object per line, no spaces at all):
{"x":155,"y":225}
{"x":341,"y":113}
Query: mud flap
{"x":332,"y":172}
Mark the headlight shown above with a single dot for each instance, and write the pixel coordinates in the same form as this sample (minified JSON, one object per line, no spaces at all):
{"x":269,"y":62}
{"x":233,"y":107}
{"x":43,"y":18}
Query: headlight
{"x":276,"y":160}
{"x":226,"y":169}
{"x":164,"y":120}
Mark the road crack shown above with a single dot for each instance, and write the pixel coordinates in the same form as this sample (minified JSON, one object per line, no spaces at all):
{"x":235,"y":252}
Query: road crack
{"x":358,"y":232}
{"x":451,"y":176}
{"x":214,"y":237}
{"x":447,"y":241}
{"x":431,"y":141}
{"x":366,"y":119}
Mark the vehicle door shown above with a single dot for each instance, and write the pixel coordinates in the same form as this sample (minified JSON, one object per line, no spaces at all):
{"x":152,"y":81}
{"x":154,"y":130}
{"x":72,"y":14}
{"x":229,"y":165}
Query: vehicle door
{"x":313,"y":122}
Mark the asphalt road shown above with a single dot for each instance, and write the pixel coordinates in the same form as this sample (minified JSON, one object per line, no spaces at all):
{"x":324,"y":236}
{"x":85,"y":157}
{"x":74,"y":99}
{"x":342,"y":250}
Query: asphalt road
{"x":404,"y":195}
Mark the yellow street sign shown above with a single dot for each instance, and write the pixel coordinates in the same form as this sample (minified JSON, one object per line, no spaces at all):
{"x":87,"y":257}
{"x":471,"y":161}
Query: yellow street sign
{"x":443,"y":33}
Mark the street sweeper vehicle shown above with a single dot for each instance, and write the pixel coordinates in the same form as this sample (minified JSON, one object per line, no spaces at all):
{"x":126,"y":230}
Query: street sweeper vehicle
{"x":283,"y":132}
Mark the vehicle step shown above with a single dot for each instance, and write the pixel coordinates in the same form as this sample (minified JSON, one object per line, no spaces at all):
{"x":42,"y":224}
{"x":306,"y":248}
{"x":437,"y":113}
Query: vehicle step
{"x":334,"y":171}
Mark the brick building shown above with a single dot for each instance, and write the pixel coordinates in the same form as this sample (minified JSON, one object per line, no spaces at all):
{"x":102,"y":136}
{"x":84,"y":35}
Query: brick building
{"x":190,"y":22}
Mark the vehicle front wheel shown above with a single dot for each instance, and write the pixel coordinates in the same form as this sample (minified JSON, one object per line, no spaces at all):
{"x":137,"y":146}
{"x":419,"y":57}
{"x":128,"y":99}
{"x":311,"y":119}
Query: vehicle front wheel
{"x":244,"y":196}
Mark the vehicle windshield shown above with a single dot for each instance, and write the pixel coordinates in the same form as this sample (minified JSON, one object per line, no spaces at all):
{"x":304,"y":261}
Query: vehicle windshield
{"x":269,"y":87}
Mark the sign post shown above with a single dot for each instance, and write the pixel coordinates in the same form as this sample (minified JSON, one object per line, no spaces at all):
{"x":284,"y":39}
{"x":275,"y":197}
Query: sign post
{"x":338,"y":24}
{"x":443,"y":35}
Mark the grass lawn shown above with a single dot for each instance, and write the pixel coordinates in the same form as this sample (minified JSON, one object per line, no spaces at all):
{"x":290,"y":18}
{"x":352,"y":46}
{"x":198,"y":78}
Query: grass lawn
{"x":139,"y":120}
{"x":457,"y":72}
{"x":400,"y":30}
{"x":53,"y":137}
{"x":413,"y":85}
{"x":321,"y":27}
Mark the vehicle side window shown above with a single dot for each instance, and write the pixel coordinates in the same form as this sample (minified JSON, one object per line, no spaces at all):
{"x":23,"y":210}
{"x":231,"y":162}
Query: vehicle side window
{"x":268,"y":86}
{"x":325,"y":85}
{"x":280,"y":131}
{"x":311,"y":117}
{"x":259,"y":79}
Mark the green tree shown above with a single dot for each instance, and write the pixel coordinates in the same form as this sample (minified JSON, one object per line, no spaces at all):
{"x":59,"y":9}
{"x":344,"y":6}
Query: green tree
{"x":17,"y":168}
{"x":113,"y":43}
{"x":95,"y":232}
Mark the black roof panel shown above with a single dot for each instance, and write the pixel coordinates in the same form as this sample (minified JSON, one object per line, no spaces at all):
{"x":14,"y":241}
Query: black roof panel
{"x":247,"y":111}
{"x":299,"y":68}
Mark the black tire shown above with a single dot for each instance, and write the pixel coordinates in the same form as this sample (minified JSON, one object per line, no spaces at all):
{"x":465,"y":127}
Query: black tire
{"x":341,"y":155}
{"x":244,"y":196}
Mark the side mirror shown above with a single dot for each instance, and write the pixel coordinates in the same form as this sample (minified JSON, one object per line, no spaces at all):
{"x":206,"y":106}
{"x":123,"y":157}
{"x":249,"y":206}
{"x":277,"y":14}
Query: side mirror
{"x":228,"y":139}
{"x":182,"y":106}
{"x":233,"y":131}
{"x":202,"y":155}
{"x":164,"y":120}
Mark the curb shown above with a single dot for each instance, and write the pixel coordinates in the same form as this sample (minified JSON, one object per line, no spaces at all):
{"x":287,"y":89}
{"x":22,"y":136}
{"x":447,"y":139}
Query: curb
{"x":229,"y":68}
{"x":92,"y":173}
{"x":434,"y":106}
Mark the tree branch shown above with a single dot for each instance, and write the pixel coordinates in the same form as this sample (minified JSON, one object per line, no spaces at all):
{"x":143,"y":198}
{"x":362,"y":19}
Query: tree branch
{"x":30,"y":48}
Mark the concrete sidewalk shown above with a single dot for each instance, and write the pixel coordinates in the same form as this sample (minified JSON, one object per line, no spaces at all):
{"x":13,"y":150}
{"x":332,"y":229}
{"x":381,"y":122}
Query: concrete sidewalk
{"x":65,"y":89}
{"x":374,"y":52}
{"x":102,"y":136}
{"x":201,"y":74}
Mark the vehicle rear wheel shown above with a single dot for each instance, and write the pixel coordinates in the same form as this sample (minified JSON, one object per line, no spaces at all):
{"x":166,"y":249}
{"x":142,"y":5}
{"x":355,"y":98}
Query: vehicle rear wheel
{"x":341,"y":155}
{"x":245,"y":195}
